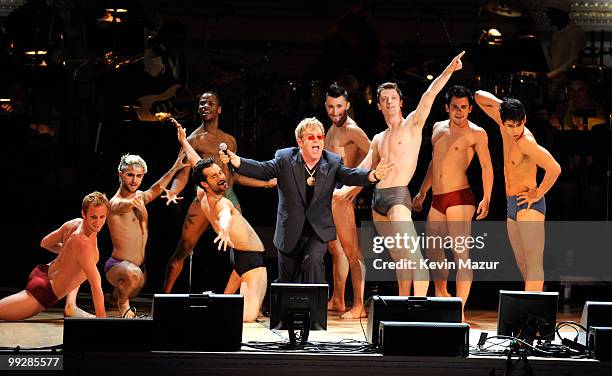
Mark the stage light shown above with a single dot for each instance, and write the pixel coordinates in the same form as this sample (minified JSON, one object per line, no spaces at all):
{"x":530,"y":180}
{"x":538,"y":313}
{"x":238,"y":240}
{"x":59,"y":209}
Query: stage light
{"x":161,"y":116}
{"x":113,"y":15}
{"x":367,"y":93}
{"x":430,"y":77}
{"x":36,"y":57}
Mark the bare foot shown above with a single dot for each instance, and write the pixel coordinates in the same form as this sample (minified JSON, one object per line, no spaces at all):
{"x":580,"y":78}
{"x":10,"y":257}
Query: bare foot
{"x":442,"y":293}
{"x":72,"y":310}
{"x":355,"y":313}
{"x":125,"y":311}
{"x":332,"y":305}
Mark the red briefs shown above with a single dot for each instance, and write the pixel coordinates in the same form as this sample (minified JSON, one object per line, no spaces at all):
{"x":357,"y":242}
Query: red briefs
{"x":455,"y":198}
{"x":40,"y":286}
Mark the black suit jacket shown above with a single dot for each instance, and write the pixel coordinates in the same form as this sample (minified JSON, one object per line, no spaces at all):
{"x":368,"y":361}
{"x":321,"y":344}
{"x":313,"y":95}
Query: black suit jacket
{"x":288,"y":167}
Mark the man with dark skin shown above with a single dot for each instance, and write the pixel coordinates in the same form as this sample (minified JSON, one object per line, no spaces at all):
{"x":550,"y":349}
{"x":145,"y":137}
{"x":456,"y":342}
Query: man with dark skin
{"x":205,"y":140}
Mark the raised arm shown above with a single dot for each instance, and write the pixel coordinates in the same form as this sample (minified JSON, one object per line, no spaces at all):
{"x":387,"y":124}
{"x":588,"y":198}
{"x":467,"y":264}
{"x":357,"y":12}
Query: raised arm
{"x":182,"y":176}
{"x":192,"y":156}
{"x":489,"y":103}
{"x":87,"y":261}
{"x":484,"y":157}
{"x":159,"y":186}
{"x":420,"y":114}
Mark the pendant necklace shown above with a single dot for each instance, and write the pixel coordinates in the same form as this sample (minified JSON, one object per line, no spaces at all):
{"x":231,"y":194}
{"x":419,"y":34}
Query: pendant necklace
{"x":311,"y":180}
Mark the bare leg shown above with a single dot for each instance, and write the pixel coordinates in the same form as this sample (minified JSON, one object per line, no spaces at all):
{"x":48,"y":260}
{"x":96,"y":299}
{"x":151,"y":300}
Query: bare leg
{"x":253,"y":288}
{"x":193,"y":227}
{"x":460,"y":226}
{"x":233,"y":283}
{"x":340,"y":273}
{"x":399,"y":220}
{"x":19,"y":306}
{"x":128,"y":280}
{"x":531,"y":227}
{"x":517,"y":245}
{"x":344,"y":218}
{"x":436,"y":227}
{"x":385,"y":228}
{"x":71,"y":309}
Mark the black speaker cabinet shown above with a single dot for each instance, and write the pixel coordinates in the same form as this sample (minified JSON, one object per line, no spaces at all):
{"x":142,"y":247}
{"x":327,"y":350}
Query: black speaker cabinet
{"x":198,"y":322}
{"x":410,"y":308}
{"x":600,"y":342}
{"x":108,"y":334}
{"x":424,"y":338}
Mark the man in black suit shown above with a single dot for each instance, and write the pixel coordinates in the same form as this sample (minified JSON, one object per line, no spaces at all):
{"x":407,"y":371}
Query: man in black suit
{"x":306,"y":178}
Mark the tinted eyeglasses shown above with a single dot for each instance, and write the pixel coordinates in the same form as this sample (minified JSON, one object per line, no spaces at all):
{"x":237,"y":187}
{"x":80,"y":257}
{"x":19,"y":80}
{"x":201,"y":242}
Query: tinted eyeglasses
{"x":312,"y":137}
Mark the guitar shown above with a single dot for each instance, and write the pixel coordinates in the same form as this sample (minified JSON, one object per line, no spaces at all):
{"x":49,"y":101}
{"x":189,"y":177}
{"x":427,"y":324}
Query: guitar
{"x":158,"y":106}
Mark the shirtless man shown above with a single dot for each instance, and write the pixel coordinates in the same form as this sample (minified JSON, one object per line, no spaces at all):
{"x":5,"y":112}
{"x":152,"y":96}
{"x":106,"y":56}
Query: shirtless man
{"x":391,"y":202}
{"x":247,"y":255}
{"x":525,"y":199}
{"x":346,"y":139}
{"x":128,"y":223}
{"x":205,"y":141}
{"x":453,"y":205}
{"x":77,"y":255}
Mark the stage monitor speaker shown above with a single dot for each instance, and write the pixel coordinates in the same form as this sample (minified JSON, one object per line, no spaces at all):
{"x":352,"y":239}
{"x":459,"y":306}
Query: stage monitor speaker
{"x":410,"y":308}
{"x":198,"y":322}
{"x":107,"y":334}
{"x":595,"y":314}
{"x":424,"y":338}
{"x":600,"y":342}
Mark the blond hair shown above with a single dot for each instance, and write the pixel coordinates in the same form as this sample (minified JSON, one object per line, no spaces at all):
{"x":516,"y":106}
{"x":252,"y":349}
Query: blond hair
{"x":308,"y":122}
{"x":131,"y":160}
{"x":94,"y":199}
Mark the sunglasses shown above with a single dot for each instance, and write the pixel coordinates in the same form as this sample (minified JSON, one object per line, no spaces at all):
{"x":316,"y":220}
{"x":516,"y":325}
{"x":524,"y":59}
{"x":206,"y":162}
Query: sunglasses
{"x":312,"y":137}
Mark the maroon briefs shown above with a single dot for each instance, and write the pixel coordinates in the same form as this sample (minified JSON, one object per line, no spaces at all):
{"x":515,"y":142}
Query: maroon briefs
{"x":455,"y":198}
{"x":40,"y":286}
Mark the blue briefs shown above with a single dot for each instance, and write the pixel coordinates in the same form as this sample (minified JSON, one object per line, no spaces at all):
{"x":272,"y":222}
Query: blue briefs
{"x":513,"y":207}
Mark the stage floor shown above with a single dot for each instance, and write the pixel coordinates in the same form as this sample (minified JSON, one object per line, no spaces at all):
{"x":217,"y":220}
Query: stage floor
{"x":46,"y":329}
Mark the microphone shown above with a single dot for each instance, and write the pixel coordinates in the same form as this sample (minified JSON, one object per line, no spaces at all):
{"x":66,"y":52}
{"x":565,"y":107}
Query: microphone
{"x":223,"y":148}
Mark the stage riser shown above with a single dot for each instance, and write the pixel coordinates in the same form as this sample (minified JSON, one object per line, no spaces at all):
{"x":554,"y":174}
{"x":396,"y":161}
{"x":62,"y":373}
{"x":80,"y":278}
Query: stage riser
{"x":282,"y":364}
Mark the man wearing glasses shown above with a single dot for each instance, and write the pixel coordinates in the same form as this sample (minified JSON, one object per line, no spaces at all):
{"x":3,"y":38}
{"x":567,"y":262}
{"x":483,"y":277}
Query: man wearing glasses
{"x":307,"y":176}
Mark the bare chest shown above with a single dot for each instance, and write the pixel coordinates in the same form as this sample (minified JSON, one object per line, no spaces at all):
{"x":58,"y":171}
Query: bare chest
{"x":515,"y":161}
{"x":400,"y":144}
{"x":452,"y":147}
{"x":207,"y":145}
